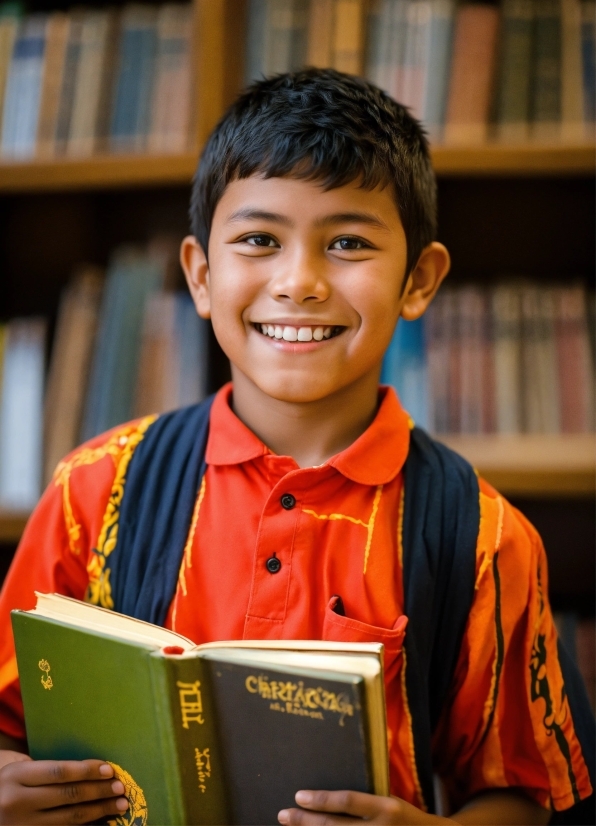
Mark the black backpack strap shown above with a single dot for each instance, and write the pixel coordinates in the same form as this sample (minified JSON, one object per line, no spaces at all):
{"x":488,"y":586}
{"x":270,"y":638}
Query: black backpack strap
{"x":162,"y":481}
{"x":440,"y":533}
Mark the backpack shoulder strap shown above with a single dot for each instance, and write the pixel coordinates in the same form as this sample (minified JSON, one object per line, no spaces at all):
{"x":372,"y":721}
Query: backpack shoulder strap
{"x":162,"y":481}
{"x":440,"y":533}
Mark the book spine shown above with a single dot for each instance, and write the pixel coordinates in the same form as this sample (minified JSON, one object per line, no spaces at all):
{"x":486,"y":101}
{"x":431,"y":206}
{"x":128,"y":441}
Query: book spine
{"x":8,"y":32}
{"x":188,"y":728}
{"x":546,"y":92}
{"x":513,"y":99}
{"x":348,"y":41}
{"x":588,"y":37}
{"x":69,"y":84}
{"x":571,"y":71}
{"x":52,"y":82}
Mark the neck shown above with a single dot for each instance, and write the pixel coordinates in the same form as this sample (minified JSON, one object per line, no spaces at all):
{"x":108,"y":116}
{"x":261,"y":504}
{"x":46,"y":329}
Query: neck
{"x":309,"y":432}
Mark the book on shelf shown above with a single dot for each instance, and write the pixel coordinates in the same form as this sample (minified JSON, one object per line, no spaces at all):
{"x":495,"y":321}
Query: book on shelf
{"x":515,"y":358}
{"x":216,"y":733}
{"x":21,"y":407}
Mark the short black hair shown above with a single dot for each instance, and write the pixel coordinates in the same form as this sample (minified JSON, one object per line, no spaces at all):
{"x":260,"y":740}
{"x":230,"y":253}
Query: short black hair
{"x":320,"y":125}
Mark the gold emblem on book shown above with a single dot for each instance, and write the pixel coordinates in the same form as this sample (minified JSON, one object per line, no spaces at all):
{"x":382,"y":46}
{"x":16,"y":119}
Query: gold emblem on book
{"x":46,"y":681}
{"x":136,"y":814}
{"x":203,"y":763}
{"x":305,"y":701}
{"x":191,"y":705}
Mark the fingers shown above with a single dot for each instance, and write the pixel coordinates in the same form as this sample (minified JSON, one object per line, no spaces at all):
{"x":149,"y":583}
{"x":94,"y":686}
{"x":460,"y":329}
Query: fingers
{"x":69,"y":794}
{"x":49,"y":772}
{"x":83,"y":813}
{"x":341,"y":807}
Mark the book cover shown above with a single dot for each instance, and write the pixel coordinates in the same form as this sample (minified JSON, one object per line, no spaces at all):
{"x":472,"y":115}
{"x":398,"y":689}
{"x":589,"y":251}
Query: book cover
{"x":348,"y":36}
{"x":69,"y":366}
{"x":219,"y":733}
{"x":472,"y":74}
{"x":9,"y":24}
{"x":136,"y":62}
{"x":471,"y":339}
{"x":86,"y":96}
{"x":23,"y":88}
{"x":438,"y":67}
{"x":170,"y":113}
{"x":506,"y":311}
{"x":53,"y":75}
{"x":69,"y":79}
{"x":571,"y":71}
{"x":515,"y":70}
{"x":588,"y":36}
{"x":546,"y":85}
{"x":21,"y":414}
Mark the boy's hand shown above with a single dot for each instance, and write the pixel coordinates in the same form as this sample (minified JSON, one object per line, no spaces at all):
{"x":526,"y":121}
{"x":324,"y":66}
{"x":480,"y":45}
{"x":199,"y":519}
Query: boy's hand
{"x":339,"y":808}
{"x":57,"y":791}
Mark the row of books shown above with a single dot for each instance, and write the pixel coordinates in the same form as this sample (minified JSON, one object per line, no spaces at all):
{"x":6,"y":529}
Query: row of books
{"x":125,"y":345}
{"x":88,"y":80}
{"x":470,"y":72}
{"x":510,"y":359}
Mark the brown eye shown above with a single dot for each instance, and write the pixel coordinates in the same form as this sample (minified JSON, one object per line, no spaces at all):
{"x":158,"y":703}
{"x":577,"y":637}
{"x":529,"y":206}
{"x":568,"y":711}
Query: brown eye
{"x":261,"y":241}
{"x":348,"y":243}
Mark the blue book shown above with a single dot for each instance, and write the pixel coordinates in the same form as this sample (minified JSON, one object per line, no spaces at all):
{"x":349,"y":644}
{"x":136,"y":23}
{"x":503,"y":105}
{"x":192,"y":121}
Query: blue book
{"x":192,"y":333}
{"x":439,"y":65}
{"x":405,"y":368}
{"x":23,"y":88}
{"x":131,"y":113}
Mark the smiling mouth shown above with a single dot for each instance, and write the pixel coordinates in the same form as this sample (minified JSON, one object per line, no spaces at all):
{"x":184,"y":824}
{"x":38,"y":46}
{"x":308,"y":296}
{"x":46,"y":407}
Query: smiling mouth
{"x":285,"y":332}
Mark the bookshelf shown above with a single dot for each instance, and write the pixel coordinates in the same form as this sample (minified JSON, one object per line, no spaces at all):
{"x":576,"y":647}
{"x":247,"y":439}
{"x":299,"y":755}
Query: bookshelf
{"x":106,"y":171}
{"x":503,"y":209}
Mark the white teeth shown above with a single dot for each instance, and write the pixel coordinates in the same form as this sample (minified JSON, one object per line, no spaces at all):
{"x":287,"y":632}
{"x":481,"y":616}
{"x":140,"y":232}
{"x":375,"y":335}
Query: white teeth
{"x":317,"y":333}
{"x":278,"y":331}
{"x":264,"y":328}
{"x":270,"y":330}
{"x":305,"y":334}
{"x":327,"y":332}
{"x":290,"y":334}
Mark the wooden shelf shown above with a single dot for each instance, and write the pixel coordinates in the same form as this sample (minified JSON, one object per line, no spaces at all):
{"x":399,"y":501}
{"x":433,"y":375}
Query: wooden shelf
{"x":98,"y":172}
{"x":106,"y":171}
{"x":12,"y":526}
{"x":532,"y":464}
{"x":515,"y":160}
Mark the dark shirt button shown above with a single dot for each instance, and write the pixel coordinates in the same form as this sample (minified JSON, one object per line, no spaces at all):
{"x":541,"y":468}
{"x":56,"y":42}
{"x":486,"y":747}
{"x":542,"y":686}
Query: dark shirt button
{"x":288,"y":501}
{"x":273,"y":564}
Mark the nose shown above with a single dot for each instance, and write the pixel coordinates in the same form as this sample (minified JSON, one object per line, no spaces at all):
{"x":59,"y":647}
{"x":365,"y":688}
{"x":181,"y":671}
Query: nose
{"x":300,"y":277}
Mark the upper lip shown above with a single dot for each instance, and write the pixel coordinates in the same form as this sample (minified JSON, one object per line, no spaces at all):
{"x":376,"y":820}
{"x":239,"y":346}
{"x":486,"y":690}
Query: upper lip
{"x":294,"y":322}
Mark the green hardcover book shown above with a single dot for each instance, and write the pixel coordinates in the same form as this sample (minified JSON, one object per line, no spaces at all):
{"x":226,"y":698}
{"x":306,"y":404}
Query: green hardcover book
{"x":514,"y":86}
{"x":218,"y":733}
{"x":546,"y":91}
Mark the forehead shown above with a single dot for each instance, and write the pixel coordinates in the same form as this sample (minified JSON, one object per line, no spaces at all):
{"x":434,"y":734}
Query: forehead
{"x":304,"y":202}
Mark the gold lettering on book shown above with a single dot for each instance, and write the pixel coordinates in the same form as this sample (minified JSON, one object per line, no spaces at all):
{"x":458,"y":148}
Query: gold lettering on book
{"x":296,"y":698}
{"x":203,"y":764}
{"x":191,"y":705}
{"x":47,"y":680}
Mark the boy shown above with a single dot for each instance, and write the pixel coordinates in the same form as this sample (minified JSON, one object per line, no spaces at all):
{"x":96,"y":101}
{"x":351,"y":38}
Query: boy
{"x":313,"y":218}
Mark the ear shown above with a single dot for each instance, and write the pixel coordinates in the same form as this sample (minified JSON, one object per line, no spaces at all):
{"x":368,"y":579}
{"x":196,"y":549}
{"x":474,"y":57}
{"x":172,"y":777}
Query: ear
{"x":424,"y":280}
{"x":196,"y":269}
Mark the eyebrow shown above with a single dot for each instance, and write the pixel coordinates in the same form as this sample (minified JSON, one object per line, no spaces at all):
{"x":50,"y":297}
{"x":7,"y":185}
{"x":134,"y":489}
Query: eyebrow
{"x":252,"y":214}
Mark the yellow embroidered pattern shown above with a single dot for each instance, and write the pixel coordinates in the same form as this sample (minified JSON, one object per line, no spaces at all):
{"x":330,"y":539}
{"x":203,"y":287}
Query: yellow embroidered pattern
{"x":412,"y":750}
{"x":113,"y":447}
{"x":187,"y":555}
{"x":370,"y":525}
{"x":99,"y":589}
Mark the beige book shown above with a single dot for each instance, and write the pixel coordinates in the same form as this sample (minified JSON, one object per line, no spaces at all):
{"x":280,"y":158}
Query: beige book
{"x":85,"y":106}
{"x":69,"y":367}
{"x":320,"y":33}
{"x":156,"y":388}
{"x":8,"y":32}
{"x":348,"y":36}
{"x":53,"y":73}
{"x":170,"y":112}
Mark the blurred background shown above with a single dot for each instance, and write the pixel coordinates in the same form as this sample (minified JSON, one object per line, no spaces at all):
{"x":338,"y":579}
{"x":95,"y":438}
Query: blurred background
{"x":103,"y":112}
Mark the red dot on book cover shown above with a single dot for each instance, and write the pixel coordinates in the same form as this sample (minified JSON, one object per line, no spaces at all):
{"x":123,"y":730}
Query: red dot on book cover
{"x":173,"y":649}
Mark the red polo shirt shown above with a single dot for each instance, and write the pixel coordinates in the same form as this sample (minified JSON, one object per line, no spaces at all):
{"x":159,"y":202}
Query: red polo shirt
{"x":270,"y":544}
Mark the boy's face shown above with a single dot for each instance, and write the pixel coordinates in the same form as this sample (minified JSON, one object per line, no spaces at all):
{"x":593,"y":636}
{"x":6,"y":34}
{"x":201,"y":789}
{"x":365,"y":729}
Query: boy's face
{"x":303,"y":286}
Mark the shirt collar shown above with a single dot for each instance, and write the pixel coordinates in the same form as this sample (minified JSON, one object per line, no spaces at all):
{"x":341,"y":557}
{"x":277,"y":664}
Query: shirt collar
{"x":375,"y":458}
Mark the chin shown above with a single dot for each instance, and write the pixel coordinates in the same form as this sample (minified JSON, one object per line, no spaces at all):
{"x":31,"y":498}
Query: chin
{"x":295,"y":392}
